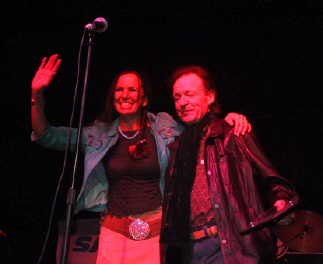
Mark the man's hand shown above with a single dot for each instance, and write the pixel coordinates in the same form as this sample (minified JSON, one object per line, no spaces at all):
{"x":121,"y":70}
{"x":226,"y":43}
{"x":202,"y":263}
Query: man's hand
{"x":280,"y":204}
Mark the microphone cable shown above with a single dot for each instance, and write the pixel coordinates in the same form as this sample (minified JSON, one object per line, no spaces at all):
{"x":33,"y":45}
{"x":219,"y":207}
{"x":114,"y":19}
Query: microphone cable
{"x":66,"y":150}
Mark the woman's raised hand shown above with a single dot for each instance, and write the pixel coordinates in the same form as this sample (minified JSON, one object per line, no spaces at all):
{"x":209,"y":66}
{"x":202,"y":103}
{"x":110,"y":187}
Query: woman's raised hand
{"x":45,"y":73}
{"x":41,"y":81}
{"x":240,"y":122}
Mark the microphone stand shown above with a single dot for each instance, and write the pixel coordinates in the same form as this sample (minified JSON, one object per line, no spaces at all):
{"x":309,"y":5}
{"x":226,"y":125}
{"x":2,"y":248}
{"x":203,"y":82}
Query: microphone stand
{"x":71,"y":192}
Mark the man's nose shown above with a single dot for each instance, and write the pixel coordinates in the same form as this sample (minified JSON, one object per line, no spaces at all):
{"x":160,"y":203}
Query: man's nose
{"x":183,"y":101}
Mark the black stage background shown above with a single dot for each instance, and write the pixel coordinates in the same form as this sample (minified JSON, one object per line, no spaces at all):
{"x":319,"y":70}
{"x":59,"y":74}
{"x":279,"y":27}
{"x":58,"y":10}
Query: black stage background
{"x":266,"y":58}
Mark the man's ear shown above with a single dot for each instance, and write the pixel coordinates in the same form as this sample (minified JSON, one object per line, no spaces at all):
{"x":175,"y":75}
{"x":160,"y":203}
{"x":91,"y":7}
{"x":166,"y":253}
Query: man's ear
{"x":211,"y":97}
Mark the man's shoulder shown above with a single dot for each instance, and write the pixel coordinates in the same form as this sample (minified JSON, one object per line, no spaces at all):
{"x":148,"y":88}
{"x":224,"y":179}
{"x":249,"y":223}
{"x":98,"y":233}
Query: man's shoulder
{"x":218,"y":126}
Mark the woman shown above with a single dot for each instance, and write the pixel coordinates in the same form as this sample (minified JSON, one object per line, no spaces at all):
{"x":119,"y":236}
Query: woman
{"x":126,"y":156}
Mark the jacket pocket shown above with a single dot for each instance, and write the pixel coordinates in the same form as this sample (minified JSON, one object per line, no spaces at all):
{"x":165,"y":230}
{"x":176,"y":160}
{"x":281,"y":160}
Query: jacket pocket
{"x":168,"y":132}
{"x":94,"y":142}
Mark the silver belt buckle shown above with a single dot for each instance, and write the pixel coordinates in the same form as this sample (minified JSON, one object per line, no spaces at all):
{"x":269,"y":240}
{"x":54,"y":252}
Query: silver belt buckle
{"x":139,"y":229}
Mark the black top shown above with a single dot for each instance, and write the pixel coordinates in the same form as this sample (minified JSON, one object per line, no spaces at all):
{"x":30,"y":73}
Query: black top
{"x":133,"y":184}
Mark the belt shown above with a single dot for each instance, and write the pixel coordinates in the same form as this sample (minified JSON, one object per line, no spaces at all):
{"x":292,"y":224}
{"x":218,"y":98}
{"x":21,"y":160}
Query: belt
{"x":206,"y":232}
{"x":136,"y":229}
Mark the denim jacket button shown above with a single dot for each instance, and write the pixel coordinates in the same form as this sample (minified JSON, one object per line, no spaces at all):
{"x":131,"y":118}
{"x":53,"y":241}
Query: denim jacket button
{"x":217,"y":206}
{"x":209,"y":172}
{"x":223,"y":241}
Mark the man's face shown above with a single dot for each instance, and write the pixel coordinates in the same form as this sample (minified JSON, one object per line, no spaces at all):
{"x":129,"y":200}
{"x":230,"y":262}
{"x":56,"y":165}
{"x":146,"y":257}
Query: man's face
{"x":191,"y":99}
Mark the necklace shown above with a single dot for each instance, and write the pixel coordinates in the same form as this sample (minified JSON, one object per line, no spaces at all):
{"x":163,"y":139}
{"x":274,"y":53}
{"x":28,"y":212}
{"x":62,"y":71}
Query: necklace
{"x":125,"y":136}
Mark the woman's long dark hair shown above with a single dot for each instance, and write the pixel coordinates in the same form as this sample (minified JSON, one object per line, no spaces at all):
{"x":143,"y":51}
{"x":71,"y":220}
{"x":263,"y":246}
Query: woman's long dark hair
{"x":109,"y":113}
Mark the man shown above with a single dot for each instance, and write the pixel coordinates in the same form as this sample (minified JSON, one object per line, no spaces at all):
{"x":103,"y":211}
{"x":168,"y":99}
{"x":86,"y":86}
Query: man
{"x":216,"y":183}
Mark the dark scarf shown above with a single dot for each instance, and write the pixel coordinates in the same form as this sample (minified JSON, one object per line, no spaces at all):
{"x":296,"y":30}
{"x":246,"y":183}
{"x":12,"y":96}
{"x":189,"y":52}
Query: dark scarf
{"x":182,"y":180}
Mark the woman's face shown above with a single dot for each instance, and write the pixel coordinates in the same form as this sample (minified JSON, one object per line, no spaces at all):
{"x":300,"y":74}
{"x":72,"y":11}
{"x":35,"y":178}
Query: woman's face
{"x":129,"y":95}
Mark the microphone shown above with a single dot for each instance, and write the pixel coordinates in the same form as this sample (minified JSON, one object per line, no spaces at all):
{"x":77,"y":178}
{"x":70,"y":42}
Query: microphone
{"x":99,"y":25}
{"x":271,"y":217}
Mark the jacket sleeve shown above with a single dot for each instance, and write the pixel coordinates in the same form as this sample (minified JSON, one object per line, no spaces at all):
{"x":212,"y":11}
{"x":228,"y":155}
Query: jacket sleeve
{"x":56,"y":138}
{"x":275,"y":186}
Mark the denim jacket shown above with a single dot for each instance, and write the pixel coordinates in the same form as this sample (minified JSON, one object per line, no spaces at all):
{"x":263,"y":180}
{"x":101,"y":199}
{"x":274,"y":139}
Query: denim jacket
{"x":96,"y":140}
